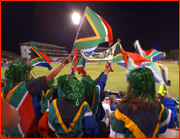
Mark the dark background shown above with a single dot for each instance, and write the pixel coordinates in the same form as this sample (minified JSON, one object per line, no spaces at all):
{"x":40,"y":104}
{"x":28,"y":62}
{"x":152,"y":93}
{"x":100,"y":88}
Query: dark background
{"x":155,"y":24}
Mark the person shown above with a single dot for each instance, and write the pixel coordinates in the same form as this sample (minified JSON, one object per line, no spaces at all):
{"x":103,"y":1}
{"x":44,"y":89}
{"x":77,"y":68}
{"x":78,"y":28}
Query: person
{"x":9,"y":115}
{"x":68,"y":116}
{"x":93,"y":94}
{"x":121,"y":94}
{"x":139,"y":113}
{"x":19,"y":92}
{"x":105,"y":120}
{"x":113,"y":102}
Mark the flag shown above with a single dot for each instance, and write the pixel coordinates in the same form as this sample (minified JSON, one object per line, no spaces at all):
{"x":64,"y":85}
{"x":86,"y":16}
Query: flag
{"x":136,"y":61}
{"x":108,"y":65}
{"x":73,"y":67}
{"x":100,"y":56}
{"x":80,"y":67}
{"x":152,"y":54}
{"x":39,"y":59}
{"x":93,"y":30}
{"x":118,"y":58}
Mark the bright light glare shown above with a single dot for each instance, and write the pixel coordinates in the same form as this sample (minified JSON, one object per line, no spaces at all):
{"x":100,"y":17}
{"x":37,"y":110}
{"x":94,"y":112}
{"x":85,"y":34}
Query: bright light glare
{"x":76,"y":18}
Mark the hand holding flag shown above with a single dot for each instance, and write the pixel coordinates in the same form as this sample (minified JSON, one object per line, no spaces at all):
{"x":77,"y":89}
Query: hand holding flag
{"x":108,"y":65}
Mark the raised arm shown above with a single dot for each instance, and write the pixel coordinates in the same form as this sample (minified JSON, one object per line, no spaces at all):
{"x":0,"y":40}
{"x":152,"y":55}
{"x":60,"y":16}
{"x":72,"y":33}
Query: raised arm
{"x":99,"y":77}
{"x":55,"y":71}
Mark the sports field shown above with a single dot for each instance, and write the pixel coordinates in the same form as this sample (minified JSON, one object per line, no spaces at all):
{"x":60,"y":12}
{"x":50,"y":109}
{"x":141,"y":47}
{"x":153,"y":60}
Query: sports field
{"x":117,"y":79}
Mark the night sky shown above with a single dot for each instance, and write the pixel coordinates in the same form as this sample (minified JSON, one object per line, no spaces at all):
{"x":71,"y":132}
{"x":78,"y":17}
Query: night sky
{"x":154,"y":24}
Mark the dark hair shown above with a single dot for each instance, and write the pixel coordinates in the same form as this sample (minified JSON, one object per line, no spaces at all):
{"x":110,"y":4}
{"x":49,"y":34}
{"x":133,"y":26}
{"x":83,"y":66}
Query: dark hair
{"x":103,"y":95}
{"x":121,"y":93}
{"x":135,"y":102}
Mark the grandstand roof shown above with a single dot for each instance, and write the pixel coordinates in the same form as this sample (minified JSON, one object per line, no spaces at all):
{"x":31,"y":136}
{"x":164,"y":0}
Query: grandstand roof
{"x":42,"y":44}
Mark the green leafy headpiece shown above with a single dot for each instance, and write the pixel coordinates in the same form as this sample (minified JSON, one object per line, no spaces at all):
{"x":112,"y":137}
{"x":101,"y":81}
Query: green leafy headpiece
{"x":89,"y":85}
{"x":51,"y":82}
{"x":142,"y":82}
{"x":72,"y":89}
{"x":17,"y":72}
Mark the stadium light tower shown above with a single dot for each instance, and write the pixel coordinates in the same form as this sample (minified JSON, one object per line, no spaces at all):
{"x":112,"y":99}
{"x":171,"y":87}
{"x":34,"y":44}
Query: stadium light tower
{"x":76,"y":19}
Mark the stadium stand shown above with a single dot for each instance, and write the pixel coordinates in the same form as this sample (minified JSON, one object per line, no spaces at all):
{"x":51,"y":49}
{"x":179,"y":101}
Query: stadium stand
{"x":56,"y":53}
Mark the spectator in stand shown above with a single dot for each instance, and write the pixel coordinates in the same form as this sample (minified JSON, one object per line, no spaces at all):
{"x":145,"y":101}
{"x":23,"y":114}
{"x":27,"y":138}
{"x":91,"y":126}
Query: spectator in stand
{"x":140,"y":114}
{"x":19,"y":93}
{"x":121,"y":94}
{"x":105,"y":120}
{"x":113,"y":102}
{"x":69,"y":115}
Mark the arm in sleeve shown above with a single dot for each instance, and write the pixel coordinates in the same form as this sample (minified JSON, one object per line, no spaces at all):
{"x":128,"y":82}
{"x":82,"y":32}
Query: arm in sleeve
{"x":168,"y":116}
{"x":98,"y":78}
{"x":36,"y":85}
{"x":90,"y":124}
{"x":102,"y":84}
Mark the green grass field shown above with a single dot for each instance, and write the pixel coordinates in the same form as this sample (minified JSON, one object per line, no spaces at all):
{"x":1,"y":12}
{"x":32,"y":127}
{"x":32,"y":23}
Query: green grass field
{"x":117,"y":79}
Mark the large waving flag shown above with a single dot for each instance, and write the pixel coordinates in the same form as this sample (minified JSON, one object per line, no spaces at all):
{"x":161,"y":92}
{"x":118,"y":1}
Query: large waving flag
{"x":136,"y":61}
{"x":39,"y":59}
{"x":93,"y":30}
{"x":152,"y":54}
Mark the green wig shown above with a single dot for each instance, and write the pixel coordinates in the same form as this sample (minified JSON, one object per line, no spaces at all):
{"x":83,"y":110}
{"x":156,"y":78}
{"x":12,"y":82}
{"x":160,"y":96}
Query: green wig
{"x":142,"y":83}
{"x":17,"y":72}
{"x":72,"y":89}
{"x":51,"y":82}
{"x":89,"y":85}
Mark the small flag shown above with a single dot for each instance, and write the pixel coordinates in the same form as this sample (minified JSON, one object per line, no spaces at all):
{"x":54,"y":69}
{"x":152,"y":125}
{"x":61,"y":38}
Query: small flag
{"x":74,"y":62}
{"x":152,"y":54}
{"x":93,"y":30}
{"x":80,"y":67}
{"x":38,"y":59}
{"x":118,"y":58}
{"x":108,"y":65}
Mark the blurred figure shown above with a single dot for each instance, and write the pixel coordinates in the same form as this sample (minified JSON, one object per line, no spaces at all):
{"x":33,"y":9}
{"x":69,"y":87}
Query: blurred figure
{"x":9,"y":115}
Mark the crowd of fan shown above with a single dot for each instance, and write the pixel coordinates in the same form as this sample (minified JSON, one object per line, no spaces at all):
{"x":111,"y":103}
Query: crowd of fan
{"x":76,"y":108}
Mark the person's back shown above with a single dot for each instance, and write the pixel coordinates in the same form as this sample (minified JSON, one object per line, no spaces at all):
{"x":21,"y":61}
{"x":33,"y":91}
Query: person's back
{"x":68,"y":115}
{"x":141,"y":124}
{"x":67,"y":118}
{"x":139,"y":114}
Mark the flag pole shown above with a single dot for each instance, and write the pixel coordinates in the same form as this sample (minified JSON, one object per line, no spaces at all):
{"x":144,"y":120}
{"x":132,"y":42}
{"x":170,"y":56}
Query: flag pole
{"x":77,"y":31}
